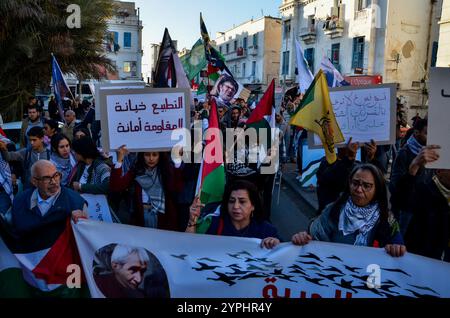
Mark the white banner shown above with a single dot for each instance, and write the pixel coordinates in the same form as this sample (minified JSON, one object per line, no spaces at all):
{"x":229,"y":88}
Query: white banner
{"x":181,"y":265}
{"x":98,"y":207}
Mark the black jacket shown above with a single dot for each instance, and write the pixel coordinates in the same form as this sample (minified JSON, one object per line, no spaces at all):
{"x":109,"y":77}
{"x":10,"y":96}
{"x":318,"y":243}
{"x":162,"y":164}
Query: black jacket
{"x":428,"y":232}
{"x":402,"y":184}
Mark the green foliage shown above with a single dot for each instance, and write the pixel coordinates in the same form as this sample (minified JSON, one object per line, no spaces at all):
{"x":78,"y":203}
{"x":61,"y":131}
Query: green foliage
{"x":30,"y":30}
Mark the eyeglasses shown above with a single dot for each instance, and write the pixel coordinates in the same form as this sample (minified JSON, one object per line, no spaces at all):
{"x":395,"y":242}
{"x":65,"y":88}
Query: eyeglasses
{"x":48,"y":179}
{"x":364,"y":185}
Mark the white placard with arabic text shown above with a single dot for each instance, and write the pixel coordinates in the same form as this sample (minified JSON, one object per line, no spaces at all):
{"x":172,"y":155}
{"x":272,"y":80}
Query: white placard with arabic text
{"x":365,"y":113}
{"x":144,"y":120}
{"x":438,"y":116}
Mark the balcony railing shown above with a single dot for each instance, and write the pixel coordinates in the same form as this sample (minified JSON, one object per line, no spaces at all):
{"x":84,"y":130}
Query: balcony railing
{"x":236,"y":55}
{"x":334,"y":27}
{"x":253,"y":50}
{"x":308,"y":34}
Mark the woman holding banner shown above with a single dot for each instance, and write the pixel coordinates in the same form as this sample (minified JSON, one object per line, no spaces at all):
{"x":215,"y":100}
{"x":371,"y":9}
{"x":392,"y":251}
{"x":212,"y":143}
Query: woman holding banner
{"x":150,"y":185}
{"x":359,"y":217}
{"x":241,"y":215}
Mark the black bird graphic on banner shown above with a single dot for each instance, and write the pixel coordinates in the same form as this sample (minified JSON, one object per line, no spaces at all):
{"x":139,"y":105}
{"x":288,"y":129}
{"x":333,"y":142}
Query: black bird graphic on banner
{"x":335,"y":258}
{"x":347,"y":285}
{"x":311,"y":255}
{"x":244,"y":253}
{"x":204,"y":267}
{"x":333,"y":269}
{"x":224,"y":278}
{"x":330,"y":277}
{"x":279,"y":274}
{"x":363,"y":277}
{"x":365,"y":287}
{"x":352,"y":269}
{"x":309,"y":263}
{"x":421,"y":295}
{"x":298,"y":271}
{"x":315,"y":281}
{"x":396,"y":271}
{"x":274,"y":265}
{"x":424,"y":288}
{"x":209,"y":260}
{"x":237,"y":271}
{"x":253,"y":267}
{"x":253,"y":275}
{"x":182,"y":256}
{"x":234,"y":255}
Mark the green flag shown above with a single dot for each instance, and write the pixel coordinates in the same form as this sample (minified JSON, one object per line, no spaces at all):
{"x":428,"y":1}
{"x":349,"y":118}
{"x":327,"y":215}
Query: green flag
{"x":195,"y":61}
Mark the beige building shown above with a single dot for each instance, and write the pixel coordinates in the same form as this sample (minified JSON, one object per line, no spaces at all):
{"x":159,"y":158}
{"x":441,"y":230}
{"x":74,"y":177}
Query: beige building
{"x":392,"y":40}
{"x":443,"y":59}
{"x":252,"y":52}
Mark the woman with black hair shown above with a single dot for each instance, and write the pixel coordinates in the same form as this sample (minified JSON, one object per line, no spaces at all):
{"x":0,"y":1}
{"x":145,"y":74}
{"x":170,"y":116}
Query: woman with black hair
{"x":80,"y":132}
{"x":92,"y":175}
{"x":150,"y":189}
{"x":51,"y":128}
{"x":241,"y":215}
{"x":359,"y":217}
{"x":63,"y":157}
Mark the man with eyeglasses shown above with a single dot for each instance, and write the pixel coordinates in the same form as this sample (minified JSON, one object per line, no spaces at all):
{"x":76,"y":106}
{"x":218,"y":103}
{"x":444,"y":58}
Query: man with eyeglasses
{"x":42,"y":212}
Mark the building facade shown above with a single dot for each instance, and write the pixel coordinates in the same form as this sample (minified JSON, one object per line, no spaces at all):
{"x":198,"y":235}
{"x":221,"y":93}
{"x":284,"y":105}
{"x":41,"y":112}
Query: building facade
{"x":443,"y":59}
{"x":392,"y":40}
{"x":252,"y":52}
{"x":124,"y":41}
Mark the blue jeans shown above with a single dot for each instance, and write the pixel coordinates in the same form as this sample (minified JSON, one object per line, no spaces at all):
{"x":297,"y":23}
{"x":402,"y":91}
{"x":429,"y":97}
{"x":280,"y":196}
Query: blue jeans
{"x":150,"y":219}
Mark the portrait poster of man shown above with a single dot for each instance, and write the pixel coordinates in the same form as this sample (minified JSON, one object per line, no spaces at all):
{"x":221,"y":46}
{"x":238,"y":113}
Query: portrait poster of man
{"x":225,"y":91}
{"x":122,"y":271}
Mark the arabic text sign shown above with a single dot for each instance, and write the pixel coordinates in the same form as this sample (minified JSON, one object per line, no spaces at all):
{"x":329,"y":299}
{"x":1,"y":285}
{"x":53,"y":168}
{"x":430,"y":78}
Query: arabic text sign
{"x":365,"y":113}
{"x":438,"y":116}
{"x":228,"y":267}
{"x":144,"y":119}
{"x":100,"y":86}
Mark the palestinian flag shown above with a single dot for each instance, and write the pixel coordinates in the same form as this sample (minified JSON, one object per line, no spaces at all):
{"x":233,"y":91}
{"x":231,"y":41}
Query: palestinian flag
{"x":263,"y":116}
{"x":211,"y":180}
{"x":316,"y":114}
{"x":40,"y":269}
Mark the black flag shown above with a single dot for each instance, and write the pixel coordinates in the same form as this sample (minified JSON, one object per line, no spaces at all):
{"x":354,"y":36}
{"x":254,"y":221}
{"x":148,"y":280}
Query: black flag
{"x":165,"y":75}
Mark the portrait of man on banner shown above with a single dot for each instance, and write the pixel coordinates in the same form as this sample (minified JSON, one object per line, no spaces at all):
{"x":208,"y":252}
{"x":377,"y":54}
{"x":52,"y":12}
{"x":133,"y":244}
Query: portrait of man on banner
{"x":122,"y":271}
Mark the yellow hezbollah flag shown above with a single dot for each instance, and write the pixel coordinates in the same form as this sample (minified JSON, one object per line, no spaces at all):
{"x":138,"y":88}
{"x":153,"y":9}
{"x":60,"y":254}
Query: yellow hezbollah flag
{"x":316,"y":114}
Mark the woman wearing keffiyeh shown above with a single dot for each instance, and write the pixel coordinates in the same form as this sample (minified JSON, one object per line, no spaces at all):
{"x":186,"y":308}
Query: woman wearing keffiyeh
{"x":359,"y":217}
{"x":148,"y":188}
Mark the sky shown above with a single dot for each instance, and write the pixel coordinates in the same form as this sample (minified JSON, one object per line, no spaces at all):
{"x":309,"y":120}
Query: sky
{"x":182,"y":17}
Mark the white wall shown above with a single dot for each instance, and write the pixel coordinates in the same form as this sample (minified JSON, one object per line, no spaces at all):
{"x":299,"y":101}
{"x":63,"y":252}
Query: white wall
{"x":444,"y":37}
{"x":247,"y":29}
{"x":126,"y":54}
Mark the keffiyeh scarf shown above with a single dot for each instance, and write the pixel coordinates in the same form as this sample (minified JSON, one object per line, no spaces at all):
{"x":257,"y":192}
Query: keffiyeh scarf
{"x":354,"y":218}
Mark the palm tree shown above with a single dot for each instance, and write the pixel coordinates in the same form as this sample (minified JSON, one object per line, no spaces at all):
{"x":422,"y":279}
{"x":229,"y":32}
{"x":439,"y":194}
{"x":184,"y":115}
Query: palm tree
{"x":30,"y":30}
